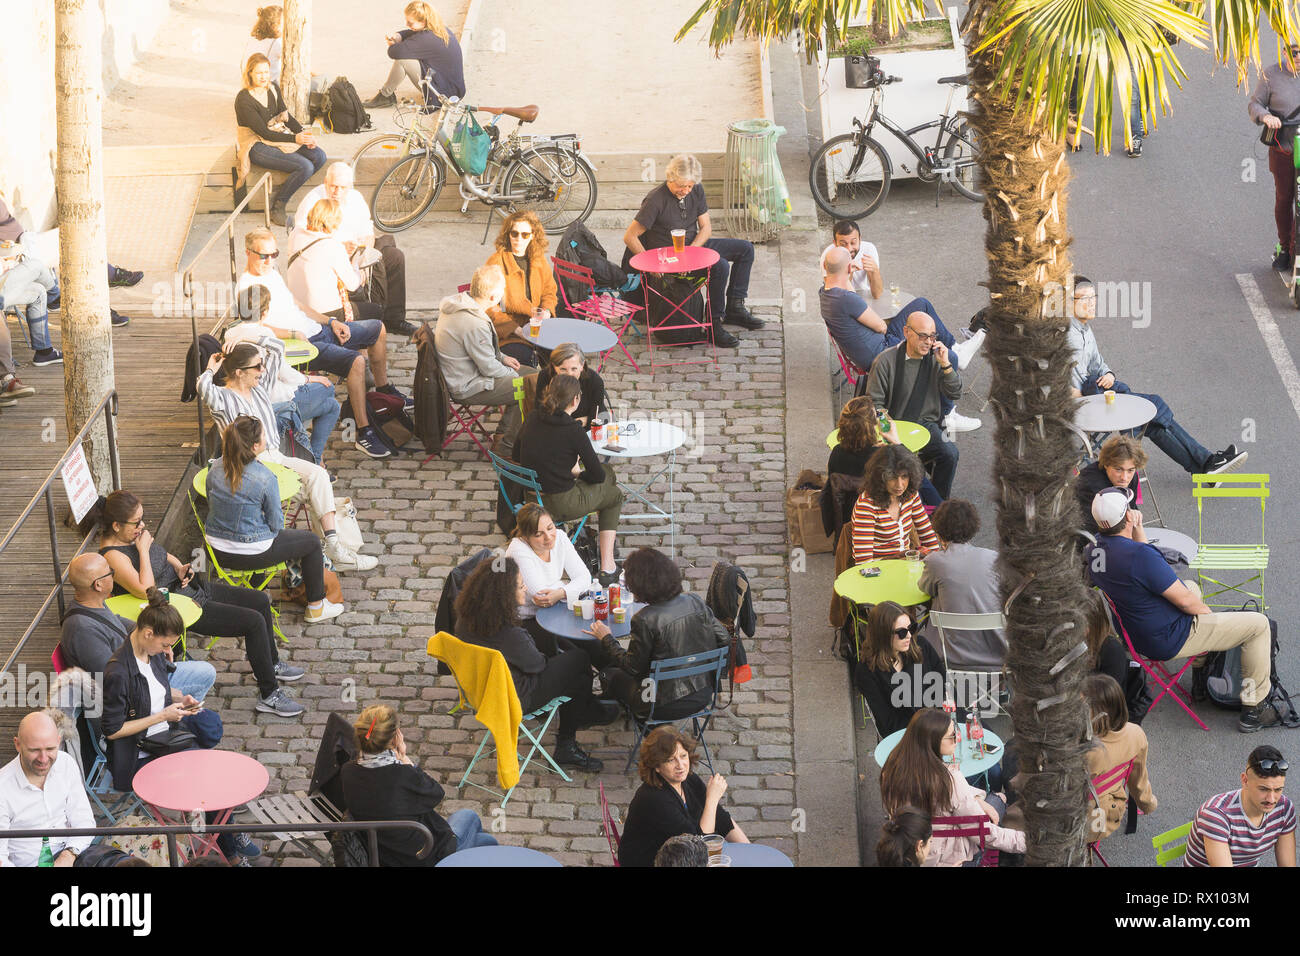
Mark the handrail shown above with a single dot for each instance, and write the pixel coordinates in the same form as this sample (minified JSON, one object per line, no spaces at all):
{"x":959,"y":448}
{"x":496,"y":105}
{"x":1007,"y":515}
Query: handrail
{"x":372,"y":827}
{"x":60,"y":573}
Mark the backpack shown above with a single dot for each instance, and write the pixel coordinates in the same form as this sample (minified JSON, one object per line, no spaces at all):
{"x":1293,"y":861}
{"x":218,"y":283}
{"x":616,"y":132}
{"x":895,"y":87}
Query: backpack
{"x":388,"y":415}
{"x":343,"y":110}
{"x":579,"y":244}
{"x":1222,"y":677}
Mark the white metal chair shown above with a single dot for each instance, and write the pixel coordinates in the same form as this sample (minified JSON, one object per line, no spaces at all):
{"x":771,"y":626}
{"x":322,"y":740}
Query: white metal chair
{"x":954,"y":621}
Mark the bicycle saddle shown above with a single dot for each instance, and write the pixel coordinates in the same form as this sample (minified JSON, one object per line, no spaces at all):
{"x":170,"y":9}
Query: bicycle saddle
{"x":525,"y":114}
{"x":961,"y":80}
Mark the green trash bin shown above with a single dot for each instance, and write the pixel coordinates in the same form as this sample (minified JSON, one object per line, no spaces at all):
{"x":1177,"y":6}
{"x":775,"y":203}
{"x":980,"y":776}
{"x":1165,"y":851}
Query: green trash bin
{"x":754,"y":194}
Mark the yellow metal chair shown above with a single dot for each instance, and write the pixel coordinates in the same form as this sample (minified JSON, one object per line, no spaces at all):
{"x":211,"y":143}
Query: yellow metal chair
{"x":1171,"y":845}
{"x":1243,"y":557}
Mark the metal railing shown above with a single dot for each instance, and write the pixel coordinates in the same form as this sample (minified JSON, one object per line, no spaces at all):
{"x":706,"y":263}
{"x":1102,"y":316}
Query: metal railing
{"x":107,"y":405}
{"x":372,"y":828}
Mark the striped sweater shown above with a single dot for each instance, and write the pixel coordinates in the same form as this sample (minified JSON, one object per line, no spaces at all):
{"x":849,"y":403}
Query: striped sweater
{"x":1222,"y":818}
{"x":877,"y":535}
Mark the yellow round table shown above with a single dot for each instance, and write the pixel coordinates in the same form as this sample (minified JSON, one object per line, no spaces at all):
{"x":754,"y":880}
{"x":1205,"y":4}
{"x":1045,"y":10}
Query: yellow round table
{"x":299,"y":352}
{"x":898,"y":581}
{"x":912,"y":436}
{"x":129,"y":606}
{"x":287,"y":479}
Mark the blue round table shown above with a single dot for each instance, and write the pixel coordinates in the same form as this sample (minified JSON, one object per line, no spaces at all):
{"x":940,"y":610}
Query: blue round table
{"x":755,"y":854}
{"x":560,"y":621}
{"x":970,"y":765}
{"x":498,"y":856}
{"x":591,"y":337}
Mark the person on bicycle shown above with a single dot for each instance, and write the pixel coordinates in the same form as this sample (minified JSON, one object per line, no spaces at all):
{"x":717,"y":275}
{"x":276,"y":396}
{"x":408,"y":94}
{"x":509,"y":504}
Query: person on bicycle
{"x":1276,"y":96}
{"x":680,"y":204}
{"x":425,"y":48}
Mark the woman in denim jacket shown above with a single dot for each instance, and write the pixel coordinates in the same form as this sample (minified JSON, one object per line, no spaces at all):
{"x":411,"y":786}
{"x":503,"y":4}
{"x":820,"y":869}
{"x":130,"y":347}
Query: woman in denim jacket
{"x":246,"y":524}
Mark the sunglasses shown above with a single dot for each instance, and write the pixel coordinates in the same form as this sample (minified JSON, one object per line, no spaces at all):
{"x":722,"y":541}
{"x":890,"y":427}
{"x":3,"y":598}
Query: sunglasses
{"x":904,"y":632}
{"x":267,"y":255}
{"x":1271,"y":767}
{"x":516,"y":234}
{"x":259,"y":366}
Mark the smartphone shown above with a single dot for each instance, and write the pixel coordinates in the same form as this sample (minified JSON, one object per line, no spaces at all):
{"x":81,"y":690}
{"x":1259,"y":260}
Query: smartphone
{"x":870,"y":572}
{"x":616,"y":449}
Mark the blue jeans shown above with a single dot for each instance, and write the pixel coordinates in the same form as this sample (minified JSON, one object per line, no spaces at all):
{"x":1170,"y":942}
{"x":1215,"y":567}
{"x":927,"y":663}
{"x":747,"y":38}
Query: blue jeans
{"x":194,"y":678}
{"x":300,"y":166}
{"x":27,"y":287}
{"x":1169,"y":436}
{"x":469,"y":830}
{"x":729,"y":279}
{"x":943,"y":456}
{"x":894,"y":336}
{"x":317,"y":408}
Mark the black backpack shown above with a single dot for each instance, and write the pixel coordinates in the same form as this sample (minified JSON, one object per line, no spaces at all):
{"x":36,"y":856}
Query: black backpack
{"x":343,"y":110}
{"x":1220,"y":678}
{"x":580,"y":245}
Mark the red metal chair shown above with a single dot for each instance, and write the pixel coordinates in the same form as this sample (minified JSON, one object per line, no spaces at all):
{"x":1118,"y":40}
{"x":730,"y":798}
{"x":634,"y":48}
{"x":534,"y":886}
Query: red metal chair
{"x":608,"y":826}
{"x":57,"y":660}
{"x":965,"y":827}
{"x":1101,"y":784}
{"x":467,"y":421}
{"x":851,"y":372}
{"x":608,"y":310}
{"x":1159,"y":673}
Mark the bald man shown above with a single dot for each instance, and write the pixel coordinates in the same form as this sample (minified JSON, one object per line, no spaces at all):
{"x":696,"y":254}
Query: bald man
{"x":42,"y":789}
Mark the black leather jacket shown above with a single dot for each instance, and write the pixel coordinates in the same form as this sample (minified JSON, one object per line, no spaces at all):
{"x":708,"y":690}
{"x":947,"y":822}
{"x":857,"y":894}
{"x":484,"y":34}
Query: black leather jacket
{"x":674,"y":628}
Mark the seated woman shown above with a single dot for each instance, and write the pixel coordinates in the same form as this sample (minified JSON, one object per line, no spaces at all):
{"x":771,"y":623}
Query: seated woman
{"x":142,"y":714}
{"x":545,"y":557}
{"x":672,"y":800}
{"x":269,"y":136}
{"x":888,"y":518}
{"x":487,"y":614}
{"x":1115,"y":742}
{"x":1117,"y":466}
{"x":568,"y":359}
{"x":672,"y":624}
{"x":245,"y":523}
{"x":904,"y":839}
{"x":1109,"y":656}
{"x":383,"y":783}
{"x":916,"y":775}
{"x":552,"y":443}
{"x":896,"y":670}
{"x":425,"y":48}
{"x":859,"y":437}
{"x":139,"y":563}
{"x":530,"y":283}
{"x":963,"y":579}
{"x":247,"y":371}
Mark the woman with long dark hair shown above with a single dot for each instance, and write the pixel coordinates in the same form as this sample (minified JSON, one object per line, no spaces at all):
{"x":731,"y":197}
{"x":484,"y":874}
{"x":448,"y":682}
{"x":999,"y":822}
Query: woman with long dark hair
{"x":889,"y":518}
{"x":896,"y":669}
{"x":545,"y":556}
{"x":1116,"y":742}
{"x":904,"y":839}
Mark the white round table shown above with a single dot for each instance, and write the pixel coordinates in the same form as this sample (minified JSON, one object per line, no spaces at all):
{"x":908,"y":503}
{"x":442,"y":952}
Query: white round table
{"x":1174,"y":540}
{"x":591,"y":337}
{"x":647,"y":440}
{"x":1126,"y":412}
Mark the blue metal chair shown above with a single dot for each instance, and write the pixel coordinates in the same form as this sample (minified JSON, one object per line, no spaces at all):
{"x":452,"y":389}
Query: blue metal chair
{"x":527,"y":479}
{"x":709,"y":662}
{"x":113,"y":804}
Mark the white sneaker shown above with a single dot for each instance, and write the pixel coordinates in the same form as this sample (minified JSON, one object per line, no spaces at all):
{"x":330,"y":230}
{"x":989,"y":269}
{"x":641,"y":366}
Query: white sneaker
{"x":956,"y":422}
{"x":329,"y":610}
{"x":345,"y":559}
{"x":965,"y":351}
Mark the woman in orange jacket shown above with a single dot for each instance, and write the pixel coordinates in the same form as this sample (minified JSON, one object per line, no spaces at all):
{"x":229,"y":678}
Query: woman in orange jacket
{"x":530,"y":283}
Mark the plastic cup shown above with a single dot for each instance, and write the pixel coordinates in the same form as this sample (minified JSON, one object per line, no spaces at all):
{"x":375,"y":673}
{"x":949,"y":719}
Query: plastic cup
{"x":679,"y":240}
{"x":1110,"y":396}
{"x":620,"y":615}
{"x":721,"y":860}
{"x":588,"y":609}
{"x":534,"y":326}
{"x":714,"y":843}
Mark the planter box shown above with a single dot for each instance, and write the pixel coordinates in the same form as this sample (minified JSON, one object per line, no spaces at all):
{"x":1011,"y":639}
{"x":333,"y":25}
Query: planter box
{"x":918,"y":99}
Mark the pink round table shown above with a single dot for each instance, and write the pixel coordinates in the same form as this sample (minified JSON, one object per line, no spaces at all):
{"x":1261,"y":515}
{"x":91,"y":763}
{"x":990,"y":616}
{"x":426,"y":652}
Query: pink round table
{"x":200,"y":780}
{"x":690,"y":259}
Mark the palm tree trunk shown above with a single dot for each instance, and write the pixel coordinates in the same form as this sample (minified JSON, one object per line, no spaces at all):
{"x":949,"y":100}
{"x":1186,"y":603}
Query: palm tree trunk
{"x":295,"y":65}
{"x":1026,"y":242}
{"x":83,"y":254}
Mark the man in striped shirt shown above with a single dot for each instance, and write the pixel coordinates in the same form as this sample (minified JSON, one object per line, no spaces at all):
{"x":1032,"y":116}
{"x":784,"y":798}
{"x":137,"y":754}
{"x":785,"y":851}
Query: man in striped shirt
{"x":1238,"y":828}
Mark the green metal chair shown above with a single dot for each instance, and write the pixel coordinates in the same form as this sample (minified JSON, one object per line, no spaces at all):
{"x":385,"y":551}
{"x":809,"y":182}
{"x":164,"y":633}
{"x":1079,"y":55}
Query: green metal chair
{"x":1230,"y":557}
{"x":1171,"y":845}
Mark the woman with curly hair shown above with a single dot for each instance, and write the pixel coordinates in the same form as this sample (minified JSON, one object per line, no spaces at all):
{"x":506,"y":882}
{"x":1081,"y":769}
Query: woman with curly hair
{"x":530,"y":284}
{"x":487,"y":614}
{"x":889,"y":518}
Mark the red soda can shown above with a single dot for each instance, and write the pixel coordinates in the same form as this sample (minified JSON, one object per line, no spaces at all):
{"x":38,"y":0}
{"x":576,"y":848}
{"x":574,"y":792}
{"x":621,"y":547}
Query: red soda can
{"x":597,"y":431}
{"x":615,"y":598}
{"x":602,"y":605}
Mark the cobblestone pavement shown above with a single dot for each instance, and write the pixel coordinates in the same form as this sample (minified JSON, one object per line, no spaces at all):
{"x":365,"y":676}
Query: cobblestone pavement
{"x":424,"y":519}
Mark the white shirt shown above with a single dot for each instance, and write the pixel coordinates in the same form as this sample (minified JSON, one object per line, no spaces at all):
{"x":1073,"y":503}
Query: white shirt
{"x":288,"y":379}
{"x":157,"y":696}
{"x":356,"y":223}
{"x":542,"y":575}
{"x":314,"y":276}
{"x":284,"y":312}
{"x":61,"y":804}
{"x":861,"y":282}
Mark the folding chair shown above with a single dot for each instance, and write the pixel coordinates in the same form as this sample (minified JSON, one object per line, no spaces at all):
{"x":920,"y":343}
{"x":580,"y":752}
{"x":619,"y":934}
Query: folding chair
{"x":963,"y":828}
{"x":953,"y":621}
{"x":608,"y":827}
{"x":526,"y":478}
{"x":438,"y":648}
{"x":1159,"y":673}
{"x":22,"y":322}
{"x":467,"y":421}
{"x":709,"y":662}
{"x":112,"y":803}
{"x":609,"y":310}
{"x":1229,"y":557}
{"x":852,"y":374}
{"x":1167,"y":845}
{"x":1102,"y":784}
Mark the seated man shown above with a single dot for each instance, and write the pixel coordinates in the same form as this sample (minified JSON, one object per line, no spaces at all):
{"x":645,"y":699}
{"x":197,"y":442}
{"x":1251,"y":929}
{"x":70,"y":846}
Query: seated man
{"x":42,"y":789}
{"x":864,"y":261}
{"x":1092,"y":375}
{"x":469,"y":353}
{"x":680,"y":204}
{"x":910,"y":380}
{"x":1165,"y":617}
{"x":25,"y":283}
{"x":963,"y":579}
{"x":388,"y":277}
{"x":340,"y":343}
{"x":1237,"y":828}
{"x":10,"y":388}
{"x":862,"y":334}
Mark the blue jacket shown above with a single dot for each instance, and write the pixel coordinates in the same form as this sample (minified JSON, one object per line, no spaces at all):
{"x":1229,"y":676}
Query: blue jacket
{"x":444,"y":59}
{"x":250,"y":514}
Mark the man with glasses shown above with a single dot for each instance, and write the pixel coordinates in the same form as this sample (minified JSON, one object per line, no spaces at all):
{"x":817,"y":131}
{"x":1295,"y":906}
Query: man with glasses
{"x":387,"y":285}
{"x":1277,"y":97}
{"x":1092,"y":375}
{"x":911,"y":380}
{"x":1239,"y":827}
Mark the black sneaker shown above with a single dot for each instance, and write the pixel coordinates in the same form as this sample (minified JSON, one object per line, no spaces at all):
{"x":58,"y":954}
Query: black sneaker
{"x":123,"y":278}
{"x":1136,"y":149}
{"x":380,"y":100}
{"x":405,"y":327}
{"x":118,"y":319}
{"x":371,"y":444}
{"x":54,"y":303}
{"x":390,"y":389}
{"x":47,"y":357}
{"x":1282,"y":260}
{"x":1256,"y":718}
{"x":569,"y":754}
{"x":1227,"y":460}
{"x":979,"y":321}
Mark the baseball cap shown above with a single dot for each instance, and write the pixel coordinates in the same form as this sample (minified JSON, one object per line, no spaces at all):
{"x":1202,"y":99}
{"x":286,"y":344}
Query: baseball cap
{"x":1109,"y":506}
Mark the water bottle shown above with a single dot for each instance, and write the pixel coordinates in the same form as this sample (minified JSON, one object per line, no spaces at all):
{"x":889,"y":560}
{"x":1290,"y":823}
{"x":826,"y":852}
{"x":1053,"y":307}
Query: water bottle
{"x":975,"y":732}
{"x":46,"y":858}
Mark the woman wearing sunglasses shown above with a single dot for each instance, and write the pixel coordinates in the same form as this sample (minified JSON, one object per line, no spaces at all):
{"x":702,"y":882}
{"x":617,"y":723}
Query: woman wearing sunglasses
{"x":897,"y":672}
{"x":530,"y":283}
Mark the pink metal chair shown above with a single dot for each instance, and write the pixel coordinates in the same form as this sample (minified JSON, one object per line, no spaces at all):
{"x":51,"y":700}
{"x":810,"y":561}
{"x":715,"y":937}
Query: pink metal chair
{"x":851,"y":372}
{"x":963,"y":827}
{"x":1159,"y":673}
{"x":57,"y":660}
{"x":1102,"y":784}
{"x":608,"y":826}
{"x":467,"y":420}
{"x":608,"y":310}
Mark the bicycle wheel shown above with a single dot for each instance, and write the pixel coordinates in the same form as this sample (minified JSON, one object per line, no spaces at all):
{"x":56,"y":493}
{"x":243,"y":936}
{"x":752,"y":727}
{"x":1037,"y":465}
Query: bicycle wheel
{"x":962,"y":151}
{"x":406,"y":192}
{"x":846,"y":191}
{"x":376,"y":157}
{"x":558,"y":185}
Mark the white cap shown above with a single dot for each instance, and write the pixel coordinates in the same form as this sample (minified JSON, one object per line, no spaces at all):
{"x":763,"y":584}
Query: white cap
{"x":1109,"y":506}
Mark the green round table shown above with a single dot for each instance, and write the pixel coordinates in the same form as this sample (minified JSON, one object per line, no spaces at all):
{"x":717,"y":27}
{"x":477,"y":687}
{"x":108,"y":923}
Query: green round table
{"x":287,"y":479}
{"x":299,"y":352}
{"x":129,"y":606}
{"x":912,"y":436}
{"x":898,"y":581}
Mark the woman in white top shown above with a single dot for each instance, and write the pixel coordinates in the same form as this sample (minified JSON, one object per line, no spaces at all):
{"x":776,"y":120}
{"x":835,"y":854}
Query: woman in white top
{"x":545,"y":556}
{"x":320,"y":274}
{"x":265,"y":38}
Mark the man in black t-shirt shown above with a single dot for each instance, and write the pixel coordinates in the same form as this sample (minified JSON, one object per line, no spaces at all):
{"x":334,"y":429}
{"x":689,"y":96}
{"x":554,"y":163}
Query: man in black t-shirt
{"x":679,"y":203}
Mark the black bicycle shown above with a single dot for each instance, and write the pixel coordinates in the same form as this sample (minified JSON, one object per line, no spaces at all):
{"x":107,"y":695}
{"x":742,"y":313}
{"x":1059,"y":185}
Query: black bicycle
{"x":851,"y":173}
